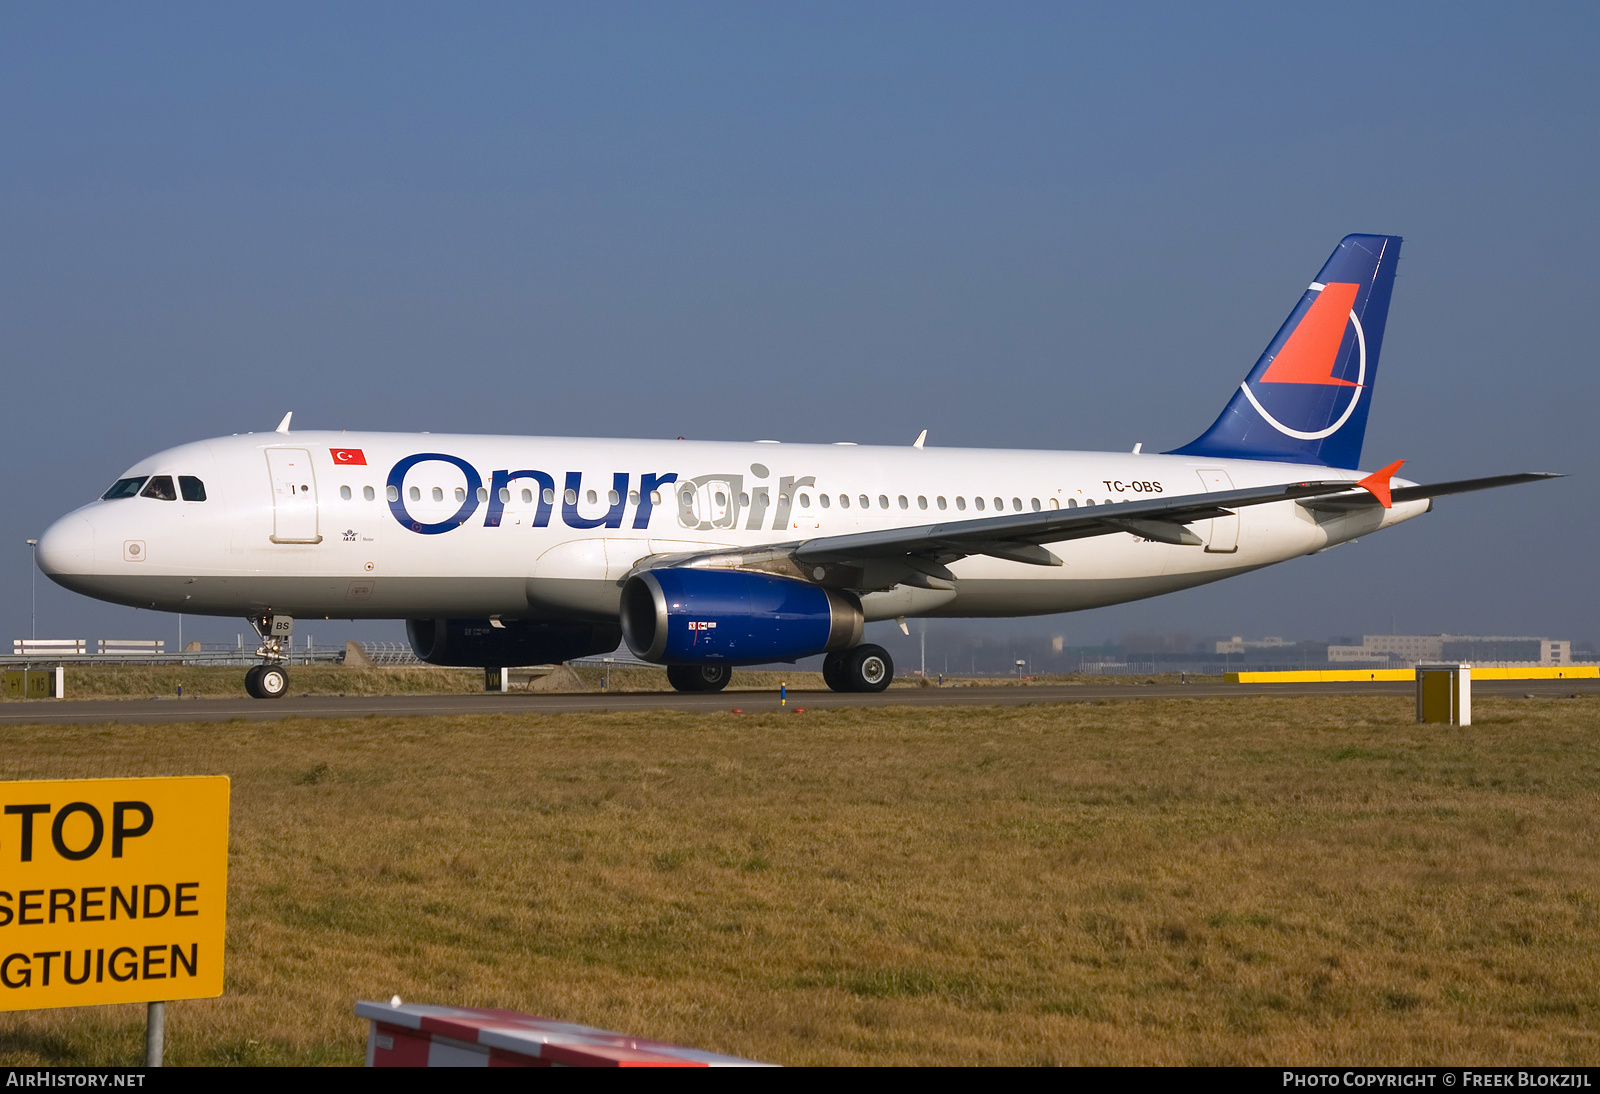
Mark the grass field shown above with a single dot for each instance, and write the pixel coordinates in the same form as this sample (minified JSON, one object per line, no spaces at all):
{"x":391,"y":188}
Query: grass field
{"x":1305,"y":881}
{"x":134,"y":681}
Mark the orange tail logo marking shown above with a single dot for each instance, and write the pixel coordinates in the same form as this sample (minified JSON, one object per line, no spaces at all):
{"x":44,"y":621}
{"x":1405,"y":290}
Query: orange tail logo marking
{"x":1310,"y":353}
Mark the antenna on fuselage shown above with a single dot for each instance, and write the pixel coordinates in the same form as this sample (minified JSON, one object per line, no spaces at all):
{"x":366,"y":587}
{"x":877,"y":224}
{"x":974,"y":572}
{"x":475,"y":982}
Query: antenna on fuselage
{"x":283,"y":426}
{"x":920,"y":438}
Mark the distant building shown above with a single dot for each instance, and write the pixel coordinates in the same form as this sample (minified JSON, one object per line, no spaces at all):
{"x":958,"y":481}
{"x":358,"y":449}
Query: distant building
{"x":1236,"y":644}
{"x":1411,"y":648}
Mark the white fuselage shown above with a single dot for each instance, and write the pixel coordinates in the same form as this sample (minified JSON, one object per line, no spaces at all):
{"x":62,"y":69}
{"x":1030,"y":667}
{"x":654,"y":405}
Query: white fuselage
{"x":489,"y":528}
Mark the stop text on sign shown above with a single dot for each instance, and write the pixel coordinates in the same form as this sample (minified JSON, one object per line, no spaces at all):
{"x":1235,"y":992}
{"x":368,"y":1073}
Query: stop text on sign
{"x":112,"y":890}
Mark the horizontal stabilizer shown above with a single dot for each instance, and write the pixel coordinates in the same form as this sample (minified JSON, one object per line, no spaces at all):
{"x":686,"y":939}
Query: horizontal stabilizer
{"x":1363,"y":499}
{"x":1466,"y":486}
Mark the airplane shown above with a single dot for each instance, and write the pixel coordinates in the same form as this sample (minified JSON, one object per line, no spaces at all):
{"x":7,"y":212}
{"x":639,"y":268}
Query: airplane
{"x":705,"y":555}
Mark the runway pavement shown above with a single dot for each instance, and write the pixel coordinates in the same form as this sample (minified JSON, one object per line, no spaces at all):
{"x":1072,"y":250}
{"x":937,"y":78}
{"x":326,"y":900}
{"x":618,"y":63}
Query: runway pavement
{"x":95,"y":711}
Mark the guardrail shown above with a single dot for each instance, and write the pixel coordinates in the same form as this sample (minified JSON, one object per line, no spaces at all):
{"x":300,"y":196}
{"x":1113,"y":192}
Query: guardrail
{"x":49,"y":647}
{"x":319,"y":655}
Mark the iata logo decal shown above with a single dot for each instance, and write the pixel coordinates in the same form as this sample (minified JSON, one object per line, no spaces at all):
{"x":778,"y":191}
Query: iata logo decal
{"x":350,"y":457}
{"x":1311,"y":354}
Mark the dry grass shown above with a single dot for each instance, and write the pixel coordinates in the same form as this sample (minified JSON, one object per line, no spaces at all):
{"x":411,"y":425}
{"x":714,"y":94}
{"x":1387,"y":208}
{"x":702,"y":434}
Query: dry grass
{"x":1185,"y":881}
{"x":227,"y":681}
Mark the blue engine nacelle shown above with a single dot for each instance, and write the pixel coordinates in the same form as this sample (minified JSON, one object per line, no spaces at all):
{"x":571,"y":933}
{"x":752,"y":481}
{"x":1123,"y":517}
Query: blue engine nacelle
{"x":480,"y":642}
{"x":734,"y":617}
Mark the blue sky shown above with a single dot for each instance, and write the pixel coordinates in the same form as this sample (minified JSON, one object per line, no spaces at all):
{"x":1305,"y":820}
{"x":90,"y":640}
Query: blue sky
{"x":1014,"y":225}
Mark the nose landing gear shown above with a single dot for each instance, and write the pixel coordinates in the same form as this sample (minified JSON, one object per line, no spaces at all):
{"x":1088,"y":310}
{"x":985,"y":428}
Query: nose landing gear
{"x":270,"y":680}
{"x":266,"y":681}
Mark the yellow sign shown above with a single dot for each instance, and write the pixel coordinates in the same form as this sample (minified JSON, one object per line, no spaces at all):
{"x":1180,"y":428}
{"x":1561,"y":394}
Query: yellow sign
{"x":112,"y":890}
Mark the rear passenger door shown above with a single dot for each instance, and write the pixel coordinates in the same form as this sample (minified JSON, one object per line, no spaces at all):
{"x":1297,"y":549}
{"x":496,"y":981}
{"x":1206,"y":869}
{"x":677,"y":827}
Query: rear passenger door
{"x":1223,"y":536}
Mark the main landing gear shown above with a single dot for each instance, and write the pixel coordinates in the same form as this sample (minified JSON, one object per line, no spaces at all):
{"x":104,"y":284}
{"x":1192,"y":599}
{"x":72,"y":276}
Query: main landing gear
{"x":865,"y":668}
{"x":270,"y":680}
{"x":699,"y":677}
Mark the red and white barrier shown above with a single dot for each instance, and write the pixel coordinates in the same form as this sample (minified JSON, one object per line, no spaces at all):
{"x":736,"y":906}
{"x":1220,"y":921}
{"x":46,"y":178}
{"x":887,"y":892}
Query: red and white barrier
{"x":412,"y":1035}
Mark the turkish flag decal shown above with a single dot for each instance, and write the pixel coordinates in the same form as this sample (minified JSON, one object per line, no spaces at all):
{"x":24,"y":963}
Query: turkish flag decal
{"x":348,"y":456}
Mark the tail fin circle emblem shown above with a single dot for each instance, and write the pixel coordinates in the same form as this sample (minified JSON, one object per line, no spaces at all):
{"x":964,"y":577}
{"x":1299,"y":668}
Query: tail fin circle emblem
{"x":1357,"y":388}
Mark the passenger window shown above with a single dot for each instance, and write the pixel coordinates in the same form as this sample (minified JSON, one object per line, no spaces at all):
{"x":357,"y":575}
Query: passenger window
{"x":633,"y":497}
{"x":844,"y":501}
{"x":571,"y":497}
{"x":979,"y":503}
{"x":783,"y":499}
{"x":344,"y":493}
{"x":939,"y":501}
{"x":461,"y":493}
{"x":483,"y":494}
{"x":655,"y":497}
{"x":438,"y":494}
{"x":612,"y":497}
{"x":922,"y":502}
{"x":883,"y":501}
{"x":907,"y":505}
{"x":123,"y":488}
{"x":527,"y":497}
{"x":961,"y":504}
{"x":1088,"y":501}
{"x":191,"y":488}
{"x":761,"y":498}
{"x":722,"y":499}
{"x":1036,"y":506}
{"x":393,"y":493}
{"x":505,"y":494}
{"x":368,"y":493}
{"x":866,"y":502}
{"x":744,"y":498}
{"x":1016,"y":504}
{"x":416,"y":494}
{"x":823,"y":500}
{"x":805,"y":501}
{"x":592,"y":497}
{"x":550,"y":496}
{"x":1053,"y":503}
{"x":999,"y":504}
{"x":161,"y":489}
{"x":1072,"y":503}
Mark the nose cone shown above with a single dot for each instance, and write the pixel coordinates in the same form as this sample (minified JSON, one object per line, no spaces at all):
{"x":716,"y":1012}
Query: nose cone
{"x":67,"y":547}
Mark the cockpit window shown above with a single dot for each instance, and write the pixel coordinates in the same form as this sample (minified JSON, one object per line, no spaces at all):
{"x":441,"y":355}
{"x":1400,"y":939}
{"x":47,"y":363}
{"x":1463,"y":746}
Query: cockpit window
{"x":191,"y":488}
{"x":123,"y":488}
{"x":160,"y":488}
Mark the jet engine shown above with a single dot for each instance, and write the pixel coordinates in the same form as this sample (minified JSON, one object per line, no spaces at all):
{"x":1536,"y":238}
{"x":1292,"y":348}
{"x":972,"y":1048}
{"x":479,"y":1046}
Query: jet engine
{"x":479,"y":643}
{"x":689,"y":616}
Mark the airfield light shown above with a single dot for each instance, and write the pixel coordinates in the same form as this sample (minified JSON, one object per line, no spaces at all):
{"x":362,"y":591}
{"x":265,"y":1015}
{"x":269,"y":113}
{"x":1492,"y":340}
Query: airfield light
{"x":33,"y":551}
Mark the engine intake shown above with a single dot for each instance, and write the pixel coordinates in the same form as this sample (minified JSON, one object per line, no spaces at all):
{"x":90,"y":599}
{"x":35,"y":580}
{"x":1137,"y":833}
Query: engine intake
{"x":691,"y":617}
{"x":480,"y":644}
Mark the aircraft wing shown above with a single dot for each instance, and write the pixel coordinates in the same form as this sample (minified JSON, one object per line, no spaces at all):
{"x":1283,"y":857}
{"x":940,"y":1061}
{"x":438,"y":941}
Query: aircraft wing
{"x":1017,"y":536}
{"x":919,"y":554}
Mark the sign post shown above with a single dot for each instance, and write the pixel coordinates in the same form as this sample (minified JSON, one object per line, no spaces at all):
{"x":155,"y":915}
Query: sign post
{"x":113,"y":891}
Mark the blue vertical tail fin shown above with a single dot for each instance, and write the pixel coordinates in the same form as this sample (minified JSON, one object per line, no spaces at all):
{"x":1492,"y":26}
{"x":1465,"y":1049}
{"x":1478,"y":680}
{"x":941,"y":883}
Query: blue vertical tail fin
{"x":1306,"y":399}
